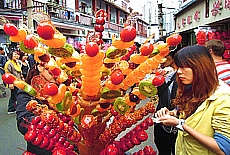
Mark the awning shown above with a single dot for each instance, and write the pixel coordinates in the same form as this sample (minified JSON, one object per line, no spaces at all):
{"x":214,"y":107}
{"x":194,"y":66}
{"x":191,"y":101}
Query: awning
{"x":67,"y":26}
{"x":12,"y":17}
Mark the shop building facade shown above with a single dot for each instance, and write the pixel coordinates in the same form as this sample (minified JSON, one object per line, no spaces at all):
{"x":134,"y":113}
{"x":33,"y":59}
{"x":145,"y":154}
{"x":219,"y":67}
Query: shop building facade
{"x":73,"y":18}
{"x":211,"y":16}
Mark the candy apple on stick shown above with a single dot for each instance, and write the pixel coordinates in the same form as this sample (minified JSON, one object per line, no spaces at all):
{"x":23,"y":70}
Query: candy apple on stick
{"x":128,"y":34}
{"x":91,"y":49}
{"x":174,"y":39}
{"x":30,"y":41}
{"x":46,"y":30}
{"x":8,"y":78}
{"x":10,"y":29}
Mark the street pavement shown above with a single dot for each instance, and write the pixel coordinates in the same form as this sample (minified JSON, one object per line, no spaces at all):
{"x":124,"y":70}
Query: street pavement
{"x":10,"y":138}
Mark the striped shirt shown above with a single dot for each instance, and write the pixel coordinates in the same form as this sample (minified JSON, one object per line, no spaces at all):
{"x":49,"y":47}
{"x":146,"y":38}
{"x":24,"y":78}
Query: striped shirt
{"x":223,"y":71}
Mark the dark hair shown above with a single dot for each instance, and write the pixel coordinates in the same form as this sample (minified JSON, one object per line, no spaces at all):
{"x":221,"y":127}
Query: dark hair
{"x":32,"y":72}
{"x":205,"y":79}
{"x":10,"y":54}
{"x":1,"y":48}
{"x":174,"y":50}
{"x":21,"y":54}
{"x":161,"y":39}
{"x":217,"y":46}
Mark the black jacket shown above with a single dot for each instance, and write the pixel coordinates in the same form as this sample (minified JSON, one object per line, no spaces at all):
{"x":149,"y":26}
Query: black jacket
{"x":163,"y":94}
{"x":22,"y":114}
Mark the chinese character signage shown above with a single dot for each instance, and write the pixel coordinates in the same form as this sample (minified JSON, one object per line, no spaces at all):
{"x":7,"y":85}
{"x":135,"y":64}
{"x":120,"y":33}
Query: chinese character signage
{"x":183,"y":21}
{"x":178,"y":25}
{"x":197,"y":15}
{"x":189,"y":19}
{"x":227,"y":4}
{"x":217,"y":7}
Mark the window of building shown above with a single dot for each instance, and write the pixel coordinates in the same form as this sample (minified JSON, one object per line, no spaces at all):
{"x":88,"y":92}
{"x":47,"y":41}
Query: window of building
{"x":83,"y":8}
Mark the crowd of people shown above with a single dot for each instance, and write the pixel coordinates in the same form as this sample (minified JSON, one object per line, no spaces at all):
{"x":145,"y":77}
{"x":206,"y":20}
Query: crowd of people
{"x":15,"y":62}
{"x":193,"y":109}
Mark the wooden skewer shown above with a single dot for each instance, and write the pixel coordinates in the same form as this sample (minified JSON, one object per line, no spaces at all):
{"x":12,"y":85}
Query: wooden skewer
{"x":80,"y":98}
{"x":107,"y":117}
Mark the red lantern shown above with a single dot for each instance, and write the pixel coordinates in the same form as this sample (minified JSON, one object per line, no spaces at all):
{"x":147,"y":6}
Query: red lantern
{"x":201,"y":38}
{"x":218,"y":36}
{"x":211,"y":35}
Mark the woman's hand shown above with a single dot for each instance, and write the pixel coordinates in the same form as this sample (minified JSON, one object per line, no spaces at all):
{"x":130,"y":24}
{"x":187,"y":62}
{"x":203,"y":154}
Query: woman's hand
{"x":169,"y":120}
{"x":162,"y":112}
{"x":165,"y":117}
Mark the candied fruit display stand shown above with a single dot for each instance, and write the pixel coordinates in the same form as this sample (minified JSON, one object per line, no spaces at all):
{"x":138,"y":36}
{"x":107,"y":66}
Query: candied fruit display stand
{"x":102,"y":102}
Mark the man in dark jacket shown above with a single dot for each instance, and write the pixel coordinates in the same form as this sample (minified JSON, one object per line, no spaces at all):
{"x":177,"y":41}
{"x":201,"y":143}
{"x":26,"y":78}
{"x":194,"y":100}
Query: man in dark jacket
{"x":165,"y":137}
{"x":3,"y":60}
{"x":23,"y":117}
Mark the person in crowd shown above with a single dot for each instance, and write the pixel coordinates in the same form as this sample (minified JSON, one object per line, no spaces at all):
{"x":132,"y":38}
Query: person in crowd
{"x":24,"y":64}
{"x":202,"y":103}
{"x":216,"y":49}
{"x":23,"y":115}
{"x":3,"y":60}
{"x":12,"y":66}
{"x":31,"y":60}
{"x":165,"y":137}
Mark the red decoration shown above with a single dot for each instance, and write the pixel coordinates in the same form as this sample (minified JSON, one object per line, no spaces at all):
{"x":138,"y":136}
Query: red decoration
{"x":201,"y":37}
{"x":218,"y":36}
{"x":227,"y":46}
{"x":211,"y":35}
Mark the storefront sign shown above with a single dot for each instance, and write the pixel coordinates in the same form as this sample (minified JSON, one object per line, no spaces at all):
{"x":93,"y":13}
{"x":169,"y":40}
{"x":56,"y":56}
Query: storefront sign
{"x":183,"y":21}
{"x":217,"y":7}
{"x":113,"y":26}
{"x":189,"y":19}
{"x":85,"y":20}
{"x":227,"y":4}
{"x":197,"y":15}
{"x":178,"y":25}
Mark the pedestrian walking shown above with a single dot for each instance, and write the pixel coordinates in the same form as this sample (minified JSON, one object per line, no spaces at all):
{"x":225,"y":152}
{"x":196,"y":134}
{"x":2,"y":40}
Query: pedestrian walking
{"x":216,"y":49}
{"x":202,"y":103}
{"x":31,"y":60}
{"x":25,"y":67}
{"x":12,"y":66}
{"x":3,"y":59}
{"x":23,"y":115}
